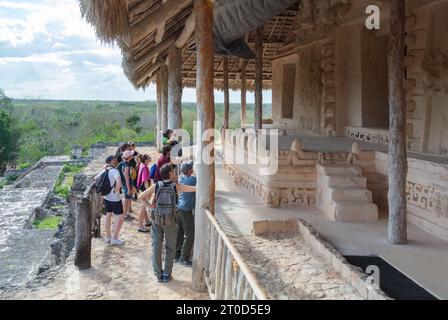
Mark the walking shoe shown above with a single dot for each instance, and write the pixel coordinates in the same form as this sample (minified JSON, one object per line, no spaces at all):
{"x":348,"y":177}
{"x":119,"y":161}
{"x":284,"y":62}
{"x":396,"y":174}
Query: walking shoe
{"x":177,"y":257}
{"x":143,"y":230}
{"x":166,"y":278}
{"x":186,"y":263}
{"x":129,"y":218}
{"x":117,"y":242}
{"x":107,"y":239}
{"x":160,"y":279}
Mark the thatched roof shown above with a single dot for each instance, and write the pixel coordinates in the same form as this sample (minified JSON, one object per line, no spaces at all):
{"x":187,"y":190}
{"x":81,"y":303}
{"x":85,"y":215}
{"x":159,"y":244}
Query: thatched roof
{"x":146,"y":29}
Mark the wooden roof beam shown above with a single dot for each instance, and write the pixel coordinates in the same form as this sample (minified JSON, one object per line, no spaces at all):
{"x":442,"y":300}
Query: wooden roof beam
{"x":148,"y":73}
{"x":153,"y":21}
{"x":153,"y":53}
{"x":187,"y":32}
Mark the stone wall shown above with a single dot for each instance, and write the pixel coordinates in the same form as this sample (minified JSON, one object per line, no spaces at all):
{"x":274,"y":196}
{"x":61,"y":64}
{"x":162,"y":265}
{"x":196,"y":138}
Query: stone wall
{"x":341,"y":73}
{"x":427,"y":191}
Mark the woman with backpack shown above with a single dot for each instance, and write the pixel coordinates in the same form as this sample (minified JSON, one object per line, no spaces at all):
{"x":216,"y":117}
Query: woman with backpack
{"x":164,"y":159}
{"x":144,"y":183}
{"x":125,"y":172}
{"x":164,"y":219}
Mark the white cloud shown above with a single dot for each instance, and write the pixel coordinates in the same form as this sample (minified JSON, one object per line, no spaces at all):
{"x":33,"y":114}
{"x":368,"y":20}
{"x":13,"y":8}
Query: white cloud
{"x":57,"y":19}
{"x":14,"y":5}
{"x":48,"y":51}
{"x":50,"y":58}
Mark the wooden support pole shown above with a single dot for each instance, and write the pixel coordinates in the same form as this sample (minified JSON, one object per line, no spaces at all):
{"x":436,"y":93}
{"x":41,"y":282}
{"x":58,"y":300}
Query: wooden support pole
{"x":259,"y":79}
{"x":243,"y":96}
{"x":226,"y":94}
{"x":83,"y":237}
{"x":205,"y":168}
{"x":164,"y":95}
{"x":175,"y":88}
{"x":159,"y":111}
{"x":398,"y":166}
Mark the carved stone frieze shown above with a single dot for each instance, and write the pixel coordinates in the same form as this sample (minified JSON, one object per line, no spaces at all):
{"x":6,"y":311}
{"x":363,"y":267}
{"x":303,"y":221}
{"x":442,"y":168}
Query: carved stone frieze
{"x":427,"y":198}
{"x":316,"y":18}
{"x":436,"y":70}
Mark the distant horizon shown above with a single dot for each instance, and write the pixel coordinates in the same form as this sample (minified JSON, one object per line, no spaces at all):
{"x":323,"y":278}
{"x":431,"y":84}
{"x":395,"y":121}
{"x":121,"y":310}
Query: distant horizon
{"x":103,"y":100}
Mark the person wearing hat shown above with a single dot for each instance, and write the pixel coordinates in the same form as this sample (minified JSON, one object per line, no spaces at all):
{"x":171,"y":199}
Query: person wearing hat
{"x":112,"y":202}
{"x":125,"y":171}
{"x":186,"y":205}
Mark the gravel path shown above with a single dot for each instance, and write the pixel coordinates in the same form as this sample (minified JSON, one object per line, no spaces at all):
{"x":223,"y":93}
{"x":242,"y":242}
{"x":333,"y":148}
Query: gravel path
{"x":287,"y":267}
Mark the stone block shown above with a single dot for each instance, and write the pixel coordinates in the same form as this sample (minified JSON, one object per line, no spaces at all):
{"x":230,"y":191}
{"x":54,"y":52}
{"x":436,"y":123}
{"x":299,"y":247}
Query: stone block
{"x":346,"y":181}
{"x":268,"y":227}
{"x":355,"y":211}
{"x":350,"y":194}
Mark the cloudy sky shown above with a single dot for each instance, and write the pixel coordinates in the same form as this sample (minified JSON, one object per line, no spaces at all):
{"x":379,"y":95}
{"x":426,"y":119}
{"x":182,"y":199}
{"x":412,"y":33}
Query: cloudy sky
{"x":48,"y":52}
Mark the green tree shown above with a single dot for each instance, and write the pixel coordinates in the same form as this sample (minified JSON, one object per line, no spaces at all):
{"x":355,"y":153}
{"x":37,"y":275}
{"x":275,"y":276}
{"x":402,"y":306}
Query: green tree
{"x":6,"y":140}
{"x":5,"y":102}
{"x":133,"y":123}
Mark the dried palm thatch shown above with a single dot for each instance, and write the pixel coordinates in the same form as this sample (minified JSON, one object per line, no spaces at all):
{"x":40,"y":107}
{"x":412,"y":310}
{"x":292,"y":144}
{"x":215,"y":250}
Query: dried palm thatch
{"x":109,"y":17}
{"x":134,"y":25}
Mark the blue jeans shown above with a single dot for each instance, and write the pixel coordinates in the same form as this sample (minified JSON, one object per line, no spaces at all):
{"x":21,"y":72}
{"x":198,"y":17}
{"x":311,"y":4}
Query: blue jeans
{"x":170,"y":235}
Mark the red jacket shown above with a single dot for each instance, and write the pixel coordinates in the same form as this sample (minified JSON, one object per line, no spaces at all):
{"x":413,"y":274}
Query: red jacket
{"x":162,"y":161}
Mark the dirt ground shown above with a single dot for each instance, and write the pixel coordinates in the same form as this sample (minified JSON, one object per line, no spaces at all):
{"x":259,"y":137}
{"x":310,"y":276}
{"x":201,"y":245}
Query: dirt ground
{"x":118,"y":273}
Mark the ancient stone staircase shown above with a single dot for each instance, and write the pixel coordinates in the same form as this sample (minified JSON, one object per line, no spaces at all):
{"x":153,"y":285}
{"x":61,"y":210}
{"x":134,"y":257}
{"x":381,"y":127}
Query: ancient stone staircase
{"x":342,"y":194}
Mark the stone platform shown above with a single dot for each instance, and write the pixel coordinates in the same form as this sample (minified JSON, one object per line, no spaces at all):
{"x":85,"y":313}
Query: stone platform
{"x":424,"y":259}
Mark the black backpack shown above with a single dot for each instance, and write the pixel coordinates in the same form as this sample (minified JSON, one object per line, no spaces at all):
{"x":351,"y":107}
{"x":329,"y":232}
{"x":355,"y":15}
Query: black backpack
{"x":102,"y":185}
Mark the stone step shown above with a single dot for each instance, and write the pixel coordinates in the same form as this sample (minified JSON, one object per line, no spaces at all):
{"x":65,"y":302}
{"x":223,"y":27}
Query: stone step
{"x":354,"y":211}
{"x":346,"y":181}
{"x":342,"y":170}
{"x":354,"y":194}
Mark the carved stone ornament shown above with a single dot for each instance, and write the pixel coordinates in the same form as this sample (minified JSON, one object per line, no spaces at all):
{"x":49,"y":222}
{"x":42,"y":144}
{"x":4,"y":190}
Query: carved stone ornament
{"x":317,"y":17}
{"x":436,"y":69}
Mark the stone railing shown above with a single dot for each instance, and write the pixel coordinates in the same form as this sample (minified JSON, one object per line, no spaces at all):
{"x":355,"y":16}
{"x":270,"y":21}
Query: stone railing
{"x":227,"y":275}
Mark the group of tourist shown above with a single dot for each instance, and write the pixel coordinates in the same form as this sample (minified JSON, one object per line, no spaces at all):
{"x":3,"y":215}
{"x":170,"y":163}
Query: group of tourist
{"x":129,"y":176}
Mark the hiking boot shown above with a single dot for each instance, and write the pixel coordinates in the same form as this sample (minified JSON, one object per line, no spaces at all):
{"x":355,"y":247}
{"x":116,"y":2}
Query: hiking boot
{"x":166,"y":278}
{"x":117,"y":242}
{"x":186,"y":263}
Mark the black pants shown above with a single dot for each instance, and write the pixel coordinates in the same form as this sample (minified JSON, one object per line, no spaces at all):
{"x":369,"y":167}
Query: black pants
{"x":185,"y":234}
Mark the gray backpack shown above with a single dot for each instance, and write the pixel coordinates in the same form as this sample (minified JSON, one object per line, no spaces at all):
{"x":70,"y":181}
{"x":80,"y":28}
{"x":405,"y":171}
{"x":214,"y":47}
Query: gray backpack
{"x":165,"y":210}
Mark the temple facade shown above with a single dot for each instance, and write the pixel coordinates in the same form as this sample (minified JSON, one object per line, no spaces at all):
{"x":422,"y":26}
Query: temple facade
{"x":333,"y":82}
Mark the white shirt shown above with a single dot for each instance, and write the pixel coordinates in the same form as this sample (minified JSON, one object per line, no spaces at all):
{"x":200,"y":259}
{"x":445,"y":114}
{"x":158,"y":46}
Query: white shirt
{"x":114,"y":176}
